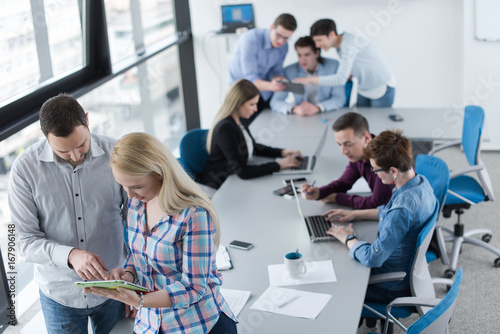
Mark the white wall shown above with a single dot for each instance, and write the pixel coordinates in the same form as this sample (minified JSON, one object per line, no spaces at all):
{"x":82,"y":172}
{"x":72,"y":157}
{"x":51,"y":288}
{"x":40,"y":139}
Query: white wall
{"x":428,"y":44}
{"x":481,"y":72}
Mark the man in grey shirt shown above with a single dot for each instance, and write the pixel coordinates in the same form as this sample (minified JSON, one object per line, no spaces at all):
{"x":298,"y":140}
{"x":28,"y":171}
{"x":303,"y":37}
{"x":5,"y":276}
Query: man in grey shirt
{"x":69,"y":213}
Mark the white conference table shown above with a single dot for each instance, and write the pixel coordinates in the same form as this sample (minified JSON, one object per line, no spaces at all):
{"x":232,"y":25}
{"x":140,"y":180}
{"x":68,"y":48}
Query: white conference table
{"x":249,"y":211}
{"x":436,"y":124}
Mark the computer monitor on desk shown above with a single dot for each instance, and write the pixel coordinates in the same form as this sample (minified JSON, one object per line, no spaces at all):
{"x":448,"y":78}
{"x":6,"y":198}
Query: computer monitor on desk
{"x":236,"y":16}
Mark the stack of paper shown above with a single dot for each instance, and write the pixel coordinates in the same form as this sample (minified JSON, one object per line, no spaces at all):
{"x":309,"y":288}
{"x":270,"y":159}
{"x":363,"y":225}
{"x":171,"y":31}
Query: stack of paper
{"x":293,"y":303}
{"x":222,"y":259}
{"x":236,"y":299}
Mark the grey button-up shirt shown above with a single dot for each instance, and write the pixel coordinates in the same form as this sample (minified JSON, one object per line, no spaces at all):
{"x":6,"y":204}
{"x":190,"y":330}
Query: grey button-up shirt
{"x":56,"y":208}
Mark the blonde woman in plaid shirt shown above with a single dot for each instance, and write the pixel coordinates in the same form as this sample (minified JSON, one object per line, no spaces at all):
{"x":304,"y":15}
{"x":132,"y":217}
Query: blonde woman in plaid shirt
{"x":173,"y":235}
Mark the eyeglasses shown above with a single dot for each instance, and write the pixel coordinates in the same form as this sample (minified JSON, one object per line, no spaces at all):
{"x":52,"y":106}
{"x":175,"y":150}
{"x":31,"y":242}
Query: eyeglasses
{"x":377,"y":170}
{"x":279,"y":36}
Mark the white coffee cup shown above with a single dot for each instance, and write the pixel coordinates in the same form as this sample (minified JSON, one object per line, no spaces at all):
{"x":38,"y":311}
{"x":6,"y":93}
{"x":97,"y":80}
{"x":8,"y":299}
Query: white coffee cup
{"x":294,"y":266}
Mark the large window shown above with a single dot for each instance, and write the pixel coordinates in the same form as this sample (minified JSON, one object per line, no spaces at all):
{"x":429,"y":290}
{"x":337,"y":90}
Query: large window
{"x":125,"y":64}
{"x":38,"y":43}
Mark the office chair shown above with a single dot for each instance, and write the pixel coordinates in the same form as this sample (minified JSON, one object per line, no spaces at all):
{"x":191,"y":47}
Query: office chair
{"x":420,"y":280}
{"x":193,"y":152}
{"x":434,"y":321}
{"x":437,"y":173}
{"x":351,"y":93}
{"x":465,"y":190}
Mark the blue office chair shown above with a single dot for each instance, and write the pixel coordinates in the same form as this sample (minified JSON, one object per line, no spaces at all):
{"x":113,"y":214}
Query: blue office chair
{"x":434,"y":321}
{"x":193,"y":152}
{"x":465,"y":190}
{"x":351,"y":93}
{"x":437,"y":173}
{"x":420,"y":279}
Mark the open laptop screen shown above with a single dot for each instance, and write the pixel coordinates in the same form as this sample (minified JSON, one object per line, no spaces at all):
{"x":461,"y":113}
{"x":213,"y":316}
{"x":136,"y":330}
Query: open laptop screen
{"x":237,"y":16}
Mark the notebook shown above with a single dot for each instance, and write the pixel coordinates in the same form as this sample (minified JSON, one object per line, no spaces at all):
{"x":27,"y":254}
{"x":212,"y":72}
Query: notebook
{"x":308,"y":163}
{"x":316,"y":225}
{"x":236,"y":16}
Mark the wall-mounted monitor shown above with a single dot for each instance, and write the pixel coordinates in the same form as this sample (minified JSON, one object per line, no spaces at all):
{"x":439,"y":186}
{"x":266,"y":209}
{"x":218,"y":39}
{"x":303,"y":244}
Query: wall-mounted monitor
{"x":237,"y":16}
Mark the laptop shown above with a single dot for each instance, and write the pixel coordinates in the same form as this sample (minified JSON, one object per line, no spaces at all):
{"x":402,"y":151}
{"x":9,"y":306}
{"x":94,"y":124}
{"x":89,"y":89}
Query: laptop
{"x":316,"y":225}
{"x":236,"y":16}
{"x":308,"y":163}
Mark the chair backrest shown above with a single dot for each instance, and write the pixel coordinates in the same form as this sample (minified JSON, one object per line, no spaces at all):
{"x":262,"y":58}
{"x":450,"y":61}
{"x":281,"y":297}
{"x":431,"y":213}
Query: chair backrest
{"x":348,"y":90}
{"x":436,"y":171}
{"x":471,"y":132}
{"x":420,"y":279}
{"x":471,"y":143}
{"x":437,"y":319}
{"x":193,"y":151}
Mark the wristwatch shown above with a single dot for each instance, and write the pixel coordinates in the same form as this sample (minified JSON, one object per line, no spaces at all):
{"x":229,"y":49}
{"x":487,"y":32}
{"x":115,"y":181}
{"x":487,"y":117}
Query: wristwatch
{"x":349,"y":237}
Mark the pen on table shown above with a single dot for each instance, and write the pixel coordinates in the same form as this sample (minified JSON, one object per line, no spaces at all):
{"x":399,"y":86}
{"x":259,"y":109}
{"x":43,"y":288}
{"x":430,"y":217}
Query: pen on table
{"x":312,"y":185}
{"x":286,"y":302}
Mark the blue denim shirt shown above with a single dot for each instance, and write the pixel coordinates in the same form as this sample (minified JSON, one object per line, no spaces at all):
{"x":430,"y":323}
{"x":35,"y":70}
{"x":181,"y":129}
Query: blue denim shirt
{"x":400,"y":222}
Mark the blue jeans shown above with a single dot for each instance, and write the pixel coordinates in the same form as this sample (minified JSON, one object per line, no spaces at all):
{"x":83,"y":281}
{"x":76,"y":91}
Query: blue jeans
{"x":224,"y":325}
{"x":60,"y":319}
{"x":385,"y":101}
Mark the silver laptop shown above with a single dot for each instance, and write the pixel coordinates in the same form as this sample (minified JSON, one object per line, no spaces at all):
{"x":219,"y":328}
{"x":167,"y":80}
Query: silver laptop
{"x":316,"y":225}
{"x":308,"y":162}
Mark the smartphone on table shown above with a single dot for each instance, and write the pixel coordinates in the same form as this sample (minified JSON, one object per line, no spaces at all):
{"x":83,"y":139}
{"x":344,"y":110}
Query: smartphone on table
{"x":240,"y":244}
{"x":297,"y":180}
{"x":283,"y":191}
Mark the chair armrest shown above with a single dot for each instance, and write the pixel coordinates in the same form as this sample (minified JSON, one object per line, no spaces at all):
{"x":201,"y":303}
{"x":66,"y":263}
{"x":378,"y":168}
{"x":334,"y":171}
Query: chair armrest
{"x":387,"y":277}
{"x":413,"y":301}
{"x":467,"y":170}
{"x":444,"y":146}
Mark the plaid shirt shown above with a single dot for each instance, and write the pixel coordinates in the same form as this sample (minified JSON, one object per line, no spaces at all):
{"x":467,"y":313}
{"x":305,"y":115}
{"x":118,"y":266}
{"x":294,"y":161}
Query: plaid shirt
{"x":178,"y":256}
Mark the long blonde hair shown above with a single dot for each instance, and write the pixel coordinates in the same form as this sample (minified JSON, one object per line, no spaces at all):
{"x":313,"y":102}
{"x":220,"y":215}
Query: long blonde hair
{"x":140,"y":154}
{"x":238,"y":94}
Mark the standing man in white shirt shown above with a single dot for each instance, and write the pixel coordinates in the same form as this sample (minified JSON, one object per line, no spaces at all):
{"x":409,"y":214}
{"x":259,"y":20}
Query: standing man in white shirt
{"x":315,"y":98}
{"x":358,"y":58}
{"x":68,"y":211}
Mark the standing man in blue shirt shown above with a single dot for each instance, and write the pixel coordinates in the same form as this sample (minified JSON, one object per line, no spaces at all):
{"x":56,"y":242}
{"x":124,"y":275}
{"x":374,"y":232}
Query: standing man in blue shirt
{"x":315,"y":98}
{"x":259,"y":55}
{"x":68,"y":211}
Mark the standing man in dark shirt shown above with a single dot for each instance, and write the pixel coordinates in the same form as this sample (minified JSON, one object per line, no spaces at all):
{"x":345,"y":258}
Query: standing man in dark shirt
{"x":352,"y":135}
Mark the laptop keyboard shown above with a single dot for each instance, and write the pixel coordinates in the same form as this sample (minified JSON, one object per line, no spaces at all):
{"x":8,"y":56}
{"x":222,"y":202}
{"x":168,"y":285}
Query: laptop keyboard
{"x":319,"y":226}
{"x":303,"y":165}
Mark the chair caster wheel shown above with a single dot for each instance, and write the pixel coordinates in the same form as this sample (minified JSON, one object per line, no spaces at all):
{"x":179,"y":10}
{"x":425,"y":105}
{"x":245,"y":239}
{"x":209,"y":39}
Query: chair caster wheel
{"x":497,"y":262}
{"x":486,"y":238}
{"x":449,"y":273}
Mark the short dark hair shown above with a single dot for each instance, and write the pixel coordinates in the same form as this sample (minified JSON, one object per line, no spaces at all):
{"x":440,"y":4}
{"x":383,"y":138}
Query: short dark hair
{"x":323,"y":27}
{"x":60,"y":115}
{"x":307,"y":41}
{"x":352,"y":120}
{"x":390,"y":149}
{"x":287,"y":21}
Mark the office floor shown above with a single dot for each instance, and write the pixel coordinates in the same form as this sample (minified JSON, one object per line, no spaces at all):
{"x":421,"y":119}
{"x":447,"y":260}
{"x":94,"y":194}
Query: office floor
{"x":476,"y":310}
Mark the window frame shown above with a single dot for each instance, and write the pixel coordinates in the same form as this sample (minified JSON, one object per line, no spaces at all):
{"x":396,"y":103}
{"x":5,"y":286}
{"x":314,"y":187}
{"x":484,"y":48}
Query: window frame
{"x":17,"y":113}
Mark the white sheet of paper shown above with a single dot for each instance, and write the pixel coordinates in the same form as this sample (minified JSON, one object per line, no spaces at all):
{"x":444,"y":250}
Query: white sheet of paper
{"x":317,"y":272}
{"x":303,"y":304}
{"x":236,"y":299}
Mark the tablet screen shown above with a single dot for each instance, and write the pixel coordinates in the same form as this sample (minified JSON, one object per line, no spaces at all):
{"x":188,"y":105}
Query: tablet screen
{"x":112,"y":284}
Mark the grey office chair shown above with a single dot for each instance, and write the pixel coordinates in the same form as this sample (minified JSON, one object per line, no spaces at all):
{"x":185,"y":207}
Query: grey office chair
{"x":465,"y":190}
{"x":436,"y":320}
